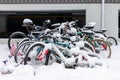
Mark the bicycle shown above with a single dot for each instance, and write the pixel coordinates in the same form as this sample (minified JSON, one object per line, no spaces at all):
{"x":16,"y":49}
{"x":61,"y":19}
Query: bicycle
{"x":15,"y":37}
{"x":53,"y":51}
{"x":99,"y":40}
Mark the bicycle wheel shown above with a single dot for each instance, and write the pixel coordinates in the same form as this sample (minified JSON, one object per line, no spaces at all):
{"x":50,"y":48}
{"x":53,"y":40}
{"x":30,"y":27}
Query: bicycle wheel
{"x":13,"y":38}
{"x":89,"y":47}
{"x":20,"y":51}
{"x":111,"y":41}
{"x":23,"y":40}
{"x":101,"y":47}
{"x":36,"y":54}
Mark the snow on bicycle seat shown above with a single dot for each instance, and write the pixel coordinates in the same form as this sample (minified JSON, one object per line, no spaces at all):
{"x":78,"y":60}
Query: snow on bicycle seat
{"x":103,"y":30}
{"x":98,"y":31}
{"x":90,"y":25}
{"x":88,"y":31}
{"x":27,"y":22}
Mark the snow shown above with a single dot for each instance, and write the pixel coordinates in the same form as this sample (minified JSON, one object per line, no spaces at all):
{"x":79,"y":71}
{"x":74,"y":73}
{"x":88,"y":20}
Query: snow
{"x":91,"y":24}
{"x":110,"y":71}
{"x":26,"y":20}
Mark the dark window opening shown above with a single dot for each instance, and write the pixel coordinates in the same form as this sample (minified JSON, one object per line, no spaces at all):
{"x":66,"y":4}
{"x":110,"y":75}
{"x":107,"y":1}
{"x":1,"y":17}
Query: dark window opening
{"x":14,"y":21}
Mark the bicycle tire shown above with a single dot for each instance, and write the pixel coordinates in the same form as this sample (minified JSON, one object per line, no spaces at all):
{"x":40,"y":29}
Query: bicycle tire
{"x":17,"y":48}
{"x":100,"y":45}
{"x":13,"y":35}
{"x":17,"y":56}
{"x":114,"y":41}
{"x":26,"y":59}
{"x":22,"y":41}
{"x":89,"y":47}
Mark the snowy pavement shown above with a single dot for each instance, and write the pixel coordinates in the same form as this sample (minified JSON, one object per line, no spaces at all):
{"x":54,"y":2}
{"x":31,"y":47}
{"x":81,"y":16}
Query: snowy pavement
{"x":110,"y":71}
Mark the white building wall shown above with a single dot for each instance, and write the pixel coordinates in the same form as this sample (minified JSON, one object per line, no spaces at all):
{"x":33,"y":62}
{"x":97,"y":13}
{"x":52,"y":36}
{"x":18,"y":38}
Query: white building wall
{"x":93,"y":12}
{"x":111,"y":19}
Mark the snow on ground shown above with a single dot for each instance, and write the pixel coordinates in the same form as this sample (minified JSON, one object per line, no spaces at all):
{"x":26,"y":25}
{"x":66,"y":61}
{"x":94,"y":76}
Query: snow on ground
{"x":111,"y":70}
